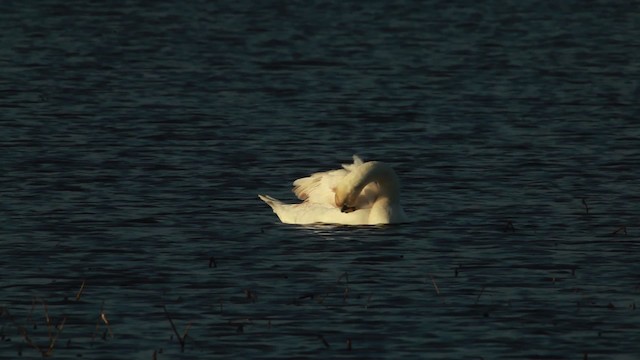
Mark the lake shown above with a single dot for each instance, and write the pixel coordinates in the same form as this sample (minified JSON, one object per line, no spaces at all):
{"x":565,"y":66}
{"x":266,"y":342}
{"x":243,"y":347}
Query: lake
{"x":136,"y":136}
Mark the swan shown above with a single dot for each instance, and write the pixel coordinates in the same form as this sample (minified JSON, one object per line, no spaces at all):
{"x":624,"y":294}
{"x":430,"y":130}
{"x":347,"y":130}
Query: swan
{"x":362,"y":193}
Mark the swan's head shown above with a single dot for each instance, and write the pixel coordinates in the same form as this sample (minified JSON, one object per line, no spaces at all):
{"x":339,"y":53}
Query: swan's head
{"x":345,"y":201}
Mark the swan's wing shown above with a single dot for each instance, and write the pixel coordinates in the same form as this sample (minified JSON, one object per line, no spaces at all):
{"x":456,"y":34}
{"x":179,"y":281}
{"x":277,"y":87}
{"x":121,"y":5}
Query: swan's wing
{"x":319,"y":187}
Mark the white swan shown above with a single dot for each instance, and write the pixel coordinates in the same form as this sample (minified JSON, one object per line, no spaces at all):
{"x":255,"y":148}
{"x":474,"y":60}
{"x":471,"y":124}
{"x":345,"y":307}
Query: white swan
{"x":362,"y":193}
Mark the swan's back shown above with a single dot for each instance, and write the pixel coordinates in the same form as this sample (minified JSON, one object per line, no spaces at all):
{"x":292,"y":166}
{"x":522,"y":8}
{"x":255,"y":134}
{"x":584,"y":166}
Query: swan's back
{"x":319,"y":188}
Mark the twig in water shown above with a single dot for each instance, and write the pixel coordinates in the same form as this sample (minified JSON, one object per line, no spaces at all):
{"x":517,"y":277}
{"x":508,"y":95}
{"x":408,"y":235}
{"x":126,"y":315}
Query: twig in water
{"x":173,"y":326}
{"x":103,"y":317}
{"x":30,"y":317}
{"x":212,"y":261}
{"x":186,"y":331}
{"x":79,"y":293}
{"x":46,"y":317}
{"x":349,"y":344}
{"x":52,"y":337}
{"x":52,"y":341}
{"x":434,"y":284}
{"x":181,"y":339}
{"x":622,"y":228}
{"x":24,"y":333}
{"x":586,"y":207}
{"x":326,"y":344}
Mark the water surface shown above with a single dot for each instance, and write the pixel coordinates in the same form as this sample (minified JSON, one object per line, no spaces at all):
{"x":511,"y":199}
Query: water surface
{"x":136,"y":136}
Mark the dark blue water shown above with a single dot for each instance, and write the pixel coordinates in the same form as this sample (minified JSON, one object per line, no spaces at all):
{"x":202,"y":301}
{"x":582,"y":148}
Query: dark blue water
{"x":135,"y":136}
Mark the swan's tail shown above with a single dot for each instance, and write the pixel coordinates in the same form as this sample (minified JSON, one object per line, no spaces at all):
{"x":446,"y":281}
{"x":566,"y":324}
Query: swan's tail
{"x":270,"y":201}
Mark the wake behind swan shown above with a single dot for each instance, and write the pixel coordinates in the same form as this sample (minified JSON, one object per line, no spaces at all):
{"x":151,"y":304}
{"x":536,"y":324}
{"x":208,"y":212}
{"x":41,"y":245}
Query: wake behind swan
{"x":362,"y":193}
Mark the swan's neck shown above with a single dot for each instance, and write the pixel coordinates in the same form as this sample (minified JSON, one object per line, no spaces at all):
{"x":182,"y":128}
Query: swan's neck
{"x":372,"y":171}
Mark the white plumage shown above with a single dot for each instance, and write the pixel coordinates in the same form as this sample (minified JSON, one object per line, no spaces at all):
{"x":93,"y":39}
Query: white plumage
{"x":358,"y":194}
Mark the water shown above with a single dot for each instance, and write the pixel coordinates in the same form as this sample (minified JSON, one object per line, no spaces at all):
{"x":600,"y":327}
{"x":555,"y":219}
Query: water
{"x":136,"y":136}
